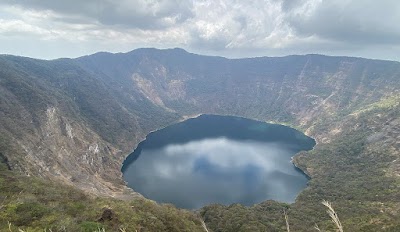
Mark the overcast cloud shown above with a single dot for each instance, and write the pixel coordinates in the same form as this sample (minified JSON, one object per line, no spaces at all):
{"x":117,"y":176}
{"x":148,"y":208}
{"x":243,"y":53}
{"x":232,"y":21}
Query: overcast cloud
{"x":234,"y":28}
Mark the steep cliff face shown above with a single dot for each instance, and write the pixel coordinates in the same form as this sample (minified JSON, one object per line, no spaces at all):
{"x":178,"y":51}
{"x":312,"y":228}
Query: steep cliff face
{"x":302,"y":91}
{"x":48,"y":112}
{"x":76,"y":120}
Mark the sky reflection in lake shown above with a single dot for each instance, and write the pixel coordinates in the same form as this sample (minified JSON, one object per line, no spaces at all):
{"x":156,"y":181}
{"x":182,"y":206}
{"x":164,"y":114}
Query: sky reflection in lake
{"x":216,"y":170}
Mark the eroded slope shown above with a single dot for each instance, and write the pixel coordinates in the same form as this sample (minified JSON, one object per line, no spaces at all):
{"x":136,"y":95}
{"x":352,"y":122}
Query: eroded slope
{"x":76,"y":120}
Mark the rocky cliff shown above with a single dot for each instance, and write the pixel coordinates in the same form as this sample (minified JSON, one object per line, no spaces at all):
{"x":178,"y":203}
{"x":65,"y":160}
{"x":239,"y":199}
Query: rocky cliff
{"x":75,"y":120}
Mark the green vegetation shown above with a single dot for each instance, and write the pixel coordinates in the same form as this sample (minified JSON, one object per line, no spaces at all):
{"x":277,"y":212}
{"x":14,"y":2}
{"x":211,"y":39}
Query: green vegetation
{"x":266,"y":216}
{"x":32,"y":204}
{"x":352,"y":171}
{"x":350,"y":105}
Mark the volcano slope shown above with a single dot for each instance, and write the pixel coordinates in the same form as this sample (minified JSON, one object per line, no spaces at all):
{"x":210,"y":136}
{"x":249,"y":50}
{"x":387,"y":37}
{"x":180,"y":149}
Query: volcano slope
{"x":72,"y":122}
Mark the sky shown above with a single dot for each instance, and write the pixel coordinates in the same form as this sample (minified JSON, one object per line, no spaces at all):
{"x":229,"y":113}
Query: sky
{"x":49,"y":29}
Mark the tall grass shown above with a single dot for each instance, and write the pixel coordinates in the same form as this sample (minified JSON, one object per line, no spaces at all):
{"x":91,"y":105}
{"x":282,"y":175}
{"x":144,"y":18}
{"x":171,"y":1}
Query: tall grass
{"x":333,"y":215}
{"x":331,"y":212}
{"x":203,"y":224}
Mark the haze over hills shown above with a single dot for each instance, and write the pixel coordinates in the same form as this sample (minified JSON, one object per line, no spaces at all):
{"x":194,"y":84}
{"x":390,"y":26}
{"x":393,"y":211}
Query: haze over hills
{"x":74,"y":121}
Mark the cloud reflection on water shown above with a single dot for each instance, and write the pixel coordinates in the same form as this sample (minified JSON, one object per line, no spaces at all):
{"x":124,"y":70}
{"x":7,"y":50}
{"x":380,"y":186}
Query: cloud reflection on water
{"x":217,"y":170}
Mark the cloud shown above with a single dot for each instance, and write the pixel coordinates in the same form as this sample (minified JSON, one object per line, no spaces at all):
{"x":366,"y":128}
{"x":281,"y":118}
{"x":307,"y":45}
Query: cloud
{"x":364,"y":22}
{"x":15,"y":27}
{"x":219,"y":27}
{"x":217,"y":170}
{"x":235,"y":24}
{"x":143,"y":14}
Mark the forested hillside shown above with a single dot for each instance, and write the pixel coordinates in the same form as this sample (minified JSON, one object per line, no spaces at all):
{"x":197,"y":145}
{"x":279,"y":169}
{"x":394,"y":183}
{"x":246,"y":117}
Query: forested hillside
{"x":73,"y":121}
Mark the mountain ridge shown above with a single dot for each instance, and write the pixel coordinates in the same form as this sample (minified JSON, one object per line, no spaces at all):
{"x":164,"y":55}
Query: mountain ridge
{"x":181,"y":50}
{"x":75,"y":120}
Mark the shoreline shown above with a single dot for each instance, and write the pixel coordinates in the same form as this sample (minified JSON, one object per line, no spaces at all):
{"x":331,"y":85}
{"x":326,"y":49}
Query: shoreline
{"x":193,"y":116}
{"x":181,"y":119}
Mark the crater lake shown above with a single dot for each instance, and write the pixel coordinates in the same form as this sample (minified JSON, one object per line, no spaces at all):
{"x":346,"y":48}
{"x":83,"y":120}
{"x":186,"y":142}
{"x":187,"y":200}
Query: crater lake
{"x":218,"y":159}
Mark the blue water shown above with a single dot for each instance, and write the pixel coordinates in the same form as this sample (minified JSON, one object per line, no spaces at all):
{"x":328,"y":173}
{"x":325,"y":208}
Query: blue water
{"x":218,"y":159}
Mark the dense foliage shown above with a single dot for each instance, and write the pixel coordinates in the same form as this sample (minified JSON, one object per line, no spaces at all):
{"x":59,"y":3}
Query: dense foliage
{"x":32,"y":204}
{"x":353,"y":171}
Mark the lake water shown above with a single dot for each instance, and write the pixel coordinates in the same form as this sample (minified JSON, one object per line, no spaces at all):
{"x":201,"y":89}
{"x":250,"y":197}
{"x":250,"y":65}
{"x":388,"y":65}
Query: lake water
{"x":218,"y":159}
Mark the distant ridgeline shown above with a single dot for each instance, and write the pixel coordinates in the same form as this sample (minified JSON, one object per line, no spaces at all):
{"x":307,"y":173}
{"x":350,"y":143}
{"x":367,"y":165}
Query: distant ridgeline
{"x":74,"y":121}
